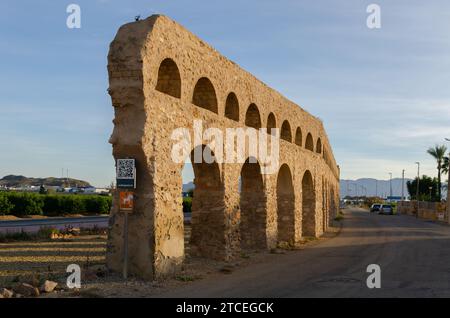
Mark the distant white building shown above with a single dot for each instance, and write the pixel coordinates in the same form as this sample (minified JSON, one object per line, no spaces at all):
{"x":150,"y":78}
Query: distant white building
{"x":101,"y":191}
{"x":93,"y":190}
{"x":90,"y":190}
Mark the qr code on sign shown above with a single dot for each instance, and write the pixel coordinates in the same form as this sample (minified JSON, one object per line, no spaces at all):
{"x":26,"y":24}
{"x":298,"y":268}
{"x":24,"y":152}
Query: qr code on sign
{"x":125,"y":168}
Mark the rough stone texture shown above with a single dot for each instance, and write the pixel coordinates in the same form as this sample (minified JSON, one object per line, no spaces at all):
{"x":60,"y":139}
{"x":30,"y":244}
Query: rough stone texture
{"x":435,"y":211}
{"x":27,"y":290}
{"x":162,"y":77}
{"x":48,"y":286}
{"x":6,"y":293}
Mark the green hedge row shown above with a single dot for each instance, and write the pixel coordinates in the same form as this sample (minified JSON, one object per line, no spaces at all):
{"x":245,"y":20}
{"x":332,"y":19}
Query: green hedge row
{"x":21,"y":204}
{"x":187,"y":204}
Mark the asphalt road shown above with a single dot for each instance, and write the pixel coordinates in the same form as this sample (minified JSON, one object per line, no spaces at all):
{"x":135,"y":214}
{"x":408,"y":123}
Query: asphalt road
{"x":414,"y":256}
{"x":33,"y":225}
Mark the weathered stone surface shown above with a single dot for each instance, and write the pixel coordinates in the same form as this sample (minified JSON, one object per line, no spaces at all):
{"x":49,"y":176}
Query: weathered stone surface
{"x":161,"y":78}
{"x":6,"y":293}
{"x":27,"y":290}
{"x":48,"y":286}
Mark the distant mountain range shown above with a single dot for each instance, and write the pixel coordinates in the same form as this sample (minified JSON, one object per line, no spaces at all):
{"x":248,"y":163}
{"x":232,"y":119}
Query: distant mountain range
{"x":188,"y":186}
{"x":373,"y":187}
{"x":21,"y":181}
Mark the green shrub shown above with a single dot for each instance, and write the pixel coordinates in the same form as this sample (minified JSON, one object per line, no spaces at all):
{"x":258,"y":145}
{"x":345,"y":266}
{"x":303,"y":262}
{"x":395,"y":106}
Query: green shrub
{"x":46,"y":232}
{"x":22,"y":204}
{"x":52,"y":205}
{"x":187,"y":204}
{"x":98,"y":204}
{"x":26,"y":204}
{"x":72,"y":204}
{"x":5,"y":206}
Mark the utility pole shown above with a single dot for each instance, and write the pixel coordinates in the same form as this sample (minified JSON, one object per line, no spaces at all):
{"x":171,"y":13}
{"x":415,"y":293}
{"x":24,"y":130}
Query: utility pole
{"x":417,"y":189}
{"x":403,"y":185}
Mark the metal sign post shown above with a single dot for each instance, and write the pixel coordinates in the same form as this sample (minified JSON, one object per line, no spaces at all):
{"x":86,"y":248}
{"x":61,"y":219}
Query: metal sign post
{"x":126,"y":179}
{"x":126,"y":207}
{"x":125,"y":246}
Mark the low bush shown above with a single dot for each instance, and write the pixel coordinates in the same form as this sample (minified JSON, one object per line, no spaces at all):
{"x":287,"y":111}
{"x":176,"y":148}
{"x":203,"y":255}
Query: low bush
{"x":23,"y":204}
{"x":187,"y":204}
{"x":26,"y":204}
{"x":46,"y":232}
{"x":5,"y":206}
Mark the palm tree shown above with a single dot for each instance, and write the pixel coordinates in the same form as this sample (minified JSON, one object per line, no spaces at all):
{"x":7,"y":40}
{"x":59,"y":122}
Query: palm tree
{"x":445,"y":165}
{"x":438,"y":152}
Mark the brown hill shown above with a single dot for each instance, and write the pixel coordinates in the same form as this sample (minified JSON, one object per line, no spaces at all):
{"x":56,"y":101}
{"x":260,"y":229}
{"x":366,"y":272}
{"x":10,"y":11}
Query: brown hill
{"x":21,"y":181}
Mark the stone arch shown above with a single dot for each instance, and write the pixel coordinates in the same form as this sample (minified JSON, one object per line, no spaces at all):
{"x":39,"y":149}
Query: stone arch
{"x":252,"y":117}
{"x":298,"y":137}
{"x":271,"y":123}
{"x":285,"y":205}
{"x":319,"y":145}
{"x":332,"y":202}
{"x":253,"y":207}
{"x":169,"y":79}
{"x":286,"y":131}
{"x":232,"y":107}
{"x":309,"y":144}
{"x":324,"y":206}
{"x":205,"y":95}
{"x":308,"y":205}
{"x":156,"y":226}
{"x":207,"y":221}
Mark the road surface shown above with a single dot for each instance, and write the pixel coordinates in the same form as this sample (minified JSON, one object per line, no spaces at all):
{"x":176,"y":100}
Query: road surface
{"x":60,"y":223}
{"x":414,"y":256}
{"x":33,"y":225}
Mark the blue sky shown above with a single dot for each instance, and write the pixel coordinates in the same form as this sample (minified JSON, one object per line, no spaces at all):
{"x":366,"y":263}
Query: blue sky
{"x":383,"y":94}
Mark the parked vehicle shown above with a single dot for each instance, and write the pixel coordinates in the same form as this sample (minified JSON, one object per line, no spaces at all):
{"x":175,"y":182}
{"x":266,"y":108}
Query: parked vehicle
{"x":386,"y":209}
{"x":375,"y":208}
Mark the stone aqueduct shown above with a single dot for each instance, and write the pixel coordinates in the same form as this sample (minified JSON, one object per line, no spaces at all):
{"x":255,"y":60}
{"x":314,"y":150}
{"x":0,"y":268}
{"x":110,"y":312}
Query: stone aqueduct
{"x":162,"y":77}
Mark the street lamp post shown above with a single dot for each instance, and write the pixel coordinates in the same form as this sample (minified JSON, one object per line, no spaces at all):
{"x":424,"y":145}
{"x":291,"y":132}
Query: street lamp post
{"x":390,"y":184}
{"x":403,"y":185}
{"x":417,"y":189}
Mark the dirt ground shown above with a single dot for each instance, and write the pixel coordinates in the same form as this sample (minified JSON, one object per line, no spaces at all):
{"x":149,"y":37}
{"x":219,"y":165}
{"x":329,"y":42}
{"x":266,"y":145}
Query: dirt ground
{"x":48,"y":259}
{"x":28,"y":261}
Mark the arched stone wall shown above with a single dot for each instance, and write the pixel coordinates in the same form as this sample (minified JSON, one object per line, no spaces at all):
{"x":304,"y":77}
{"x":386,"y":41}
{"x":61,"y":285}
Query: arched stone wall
{"x":309,"y":217}
{"x":207,"y":237}
{"x":285,"y":205}
{"x":253,"y":207}
{"x":150,"y":102}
